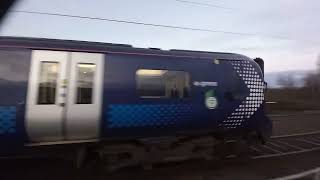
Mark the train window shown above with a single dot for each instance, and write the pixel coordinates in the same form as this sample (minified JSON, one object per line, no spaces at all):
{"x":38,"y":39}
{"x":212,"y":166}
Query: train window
{"x":162,"y":83}
{"x":48,"y":82}
{"x":85,"y":83}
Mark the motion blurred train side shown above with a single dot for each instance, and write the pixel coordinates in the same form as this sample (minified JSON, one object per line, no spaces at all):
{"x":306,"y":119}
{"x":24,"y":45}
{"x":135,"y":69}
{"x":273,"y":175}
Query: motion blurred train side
{"x":59,"y":92}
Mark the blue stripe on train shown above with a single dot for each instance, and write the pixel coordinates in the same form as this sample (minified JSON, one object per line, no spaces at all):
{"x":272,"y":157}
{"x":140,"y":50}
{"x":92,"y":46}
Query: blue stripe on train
{"x":142,"y":115}
{"x":7,"y":119}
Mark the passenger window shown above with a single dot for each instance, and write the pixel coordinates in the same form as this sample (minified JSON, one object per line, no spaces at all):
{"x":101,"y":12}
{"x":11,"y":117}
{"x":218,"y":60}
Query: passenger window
{"x":48,"y":78}
{"x":85,"y":83}
{"x":162,"y":83}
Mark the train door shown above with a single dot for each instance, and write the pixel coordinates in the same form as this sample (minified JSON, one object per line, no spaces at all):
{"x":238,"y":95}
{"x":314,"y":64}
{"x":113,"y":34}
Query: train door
{"x":64,"y":95}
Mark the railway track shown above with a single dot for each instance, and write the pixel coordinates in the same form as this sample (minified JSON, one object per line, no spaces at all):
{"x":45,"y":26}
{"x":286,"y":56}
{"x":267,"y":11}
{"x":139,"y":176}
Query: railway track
{"x":287,"y":145}
{"x":277,"y":146}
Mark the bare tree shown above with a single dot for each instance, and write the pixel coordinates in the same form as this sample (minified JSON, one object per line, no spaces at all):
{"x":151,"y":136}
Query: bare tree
{"x":318,"y":63}
{"x":286,"y":81}
{"x":312,"y":82}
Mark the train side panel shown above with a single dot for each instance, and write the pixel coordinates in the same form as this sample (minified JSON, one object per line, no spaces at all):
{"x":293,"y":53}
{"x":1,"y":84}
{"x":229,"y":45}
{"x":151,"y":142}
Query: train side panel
{"x":128,"y":115}
{"x":14,"y":71}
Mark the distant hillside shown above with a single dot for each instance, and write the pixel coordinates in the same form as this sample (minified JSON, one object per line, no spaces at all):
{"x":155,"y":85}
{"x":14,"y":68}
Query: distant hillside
{"x":298,"y":75}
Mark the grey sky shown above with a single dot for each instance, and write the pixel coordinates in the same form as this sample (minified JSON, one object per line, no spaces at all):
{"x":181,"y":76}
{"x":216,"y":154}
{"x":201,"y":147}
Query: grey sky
{"x":296,"y":19}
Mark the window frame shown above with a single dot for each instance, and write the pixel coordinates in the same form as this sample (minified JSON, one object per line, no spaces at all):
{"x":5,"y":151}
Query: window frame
{"x":92,"y":85}
{"x":164,"y":97}
{"x":56,"y":82}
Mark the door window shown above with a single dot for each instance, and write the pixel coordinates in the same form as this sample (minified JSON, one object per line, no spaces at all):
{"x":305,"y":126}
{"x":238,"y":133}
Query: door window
{"x":48,"y":82}
{"x":85,"y":83}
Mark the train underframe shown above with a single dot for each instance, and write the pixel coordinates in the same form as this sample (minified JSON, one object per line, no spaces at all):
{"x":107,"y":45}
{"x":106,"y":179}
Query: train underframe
{"x":148,"y":152}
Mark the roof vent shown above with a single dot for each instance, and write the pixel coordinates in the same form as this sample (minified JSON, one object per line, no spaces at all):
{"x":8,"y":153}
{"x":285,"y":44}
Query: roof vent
{"x":121,"y":45}
{"x":155,"y":48}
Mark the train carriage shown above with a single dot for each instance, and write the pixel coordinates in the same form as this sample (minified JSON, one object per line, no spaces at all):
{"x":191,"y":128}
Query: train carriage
{"x":67,"y":92}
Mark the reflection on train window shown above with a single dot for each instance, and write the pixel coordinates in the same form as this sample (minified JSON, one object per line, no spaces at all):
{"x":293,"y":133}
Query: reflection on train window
{"x":162,"y":83}
{"x":85,"y":83}
{"x":48,"y":82}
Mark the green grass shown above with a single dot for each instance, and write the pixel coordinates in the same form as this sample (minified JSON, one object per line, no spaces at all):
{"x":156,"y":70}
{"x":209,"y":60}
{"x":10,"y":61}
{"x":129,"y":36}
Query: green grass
{"x":292,"y":100}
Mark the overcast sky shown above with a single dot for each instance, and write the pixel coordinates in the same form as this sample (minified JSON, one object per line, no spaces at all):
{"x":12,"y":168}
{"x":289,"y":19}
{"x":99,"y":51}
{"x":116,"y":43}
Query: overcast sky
{"x":294,"y":19}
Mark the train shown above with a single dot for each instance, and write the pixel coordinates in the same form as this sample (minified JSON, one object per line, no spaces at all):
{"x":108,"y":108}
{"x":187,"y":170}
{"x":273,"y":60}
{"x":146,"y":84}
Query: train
{"x":102,"y":96}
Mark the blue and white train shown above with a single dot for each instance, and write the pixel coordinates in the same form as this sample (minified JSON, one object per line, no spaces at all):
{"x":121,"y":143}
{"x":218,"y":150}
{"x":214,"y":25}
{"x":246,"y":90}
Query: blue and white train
{"x":59,"y":92}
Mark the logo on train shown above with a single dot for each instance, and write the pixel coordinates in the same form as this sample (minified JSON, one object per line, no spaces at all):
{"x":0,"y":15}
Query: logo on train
{"x":205,"y":83}
{"x":210,"y":100}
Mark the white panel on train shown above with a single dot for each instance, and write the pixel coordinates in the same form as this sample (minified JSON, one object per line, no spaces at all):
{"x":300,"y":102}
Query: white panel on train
{"x":84,"y":96}
{"x":64,"y":95}
{"x":44,"y":115}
